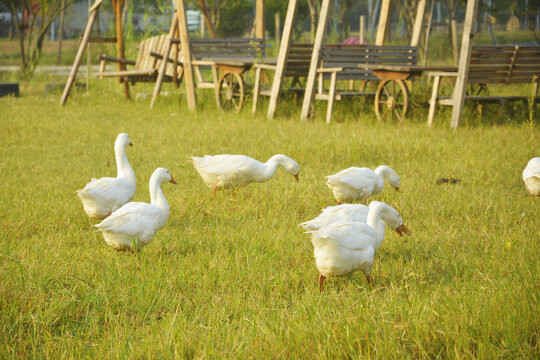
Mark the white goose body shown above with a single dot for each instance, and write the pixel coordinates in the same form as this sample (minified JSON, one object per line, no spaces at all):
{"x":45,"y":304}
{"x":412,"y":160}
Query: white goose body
{"x":531,"y":176}
{"x":360,"y":183}
{"x":101,"y":197}
{"x":231,"y":171}
{"x":135,"y":224}
{"x":344,"y":246}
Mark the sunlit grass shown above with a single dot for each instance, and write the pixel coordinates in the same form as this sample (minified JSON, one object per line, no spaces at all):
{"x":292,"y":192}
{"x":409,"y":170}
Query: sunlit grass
{"x":233,"y":276}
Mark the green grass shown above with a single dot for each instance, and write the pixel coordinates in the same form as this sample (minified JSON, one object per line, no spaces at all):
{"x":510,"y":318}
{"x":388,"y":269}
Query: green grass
{"x":233,"y":276}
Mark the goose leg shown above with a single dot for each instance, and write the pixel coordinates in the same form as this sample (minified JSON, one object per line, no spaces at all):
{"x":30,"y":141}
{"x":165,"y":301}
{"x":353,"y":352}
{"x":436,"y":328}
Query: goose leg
{"x":321,"y":279}
{"x":215,"y":189}
{"x":369,"y":278}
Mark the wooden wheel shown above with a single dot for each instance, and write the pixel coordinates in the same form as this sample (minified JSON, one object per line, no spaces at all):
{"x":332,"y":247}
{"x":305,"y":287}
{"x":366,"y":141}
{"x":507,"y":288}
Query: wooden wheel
{"x":231,"y":91}
{"x":391,"y":100}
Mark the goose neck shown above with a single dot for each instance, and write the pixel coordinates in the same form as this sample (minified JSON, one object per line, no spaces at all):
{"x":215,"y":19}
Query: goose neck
{"x":123,"y":167}
{"x":157,"y":197}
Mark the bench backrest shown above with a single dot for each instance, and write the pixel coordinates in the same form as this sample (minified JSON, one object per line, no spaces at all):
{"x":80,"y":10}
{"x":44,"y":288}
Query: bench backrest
{"x":349,"y":56}
{"x":228,"y":47}
{"x":504,"y":64}
{"x":154,"y":44}
{"x":298,"y":60}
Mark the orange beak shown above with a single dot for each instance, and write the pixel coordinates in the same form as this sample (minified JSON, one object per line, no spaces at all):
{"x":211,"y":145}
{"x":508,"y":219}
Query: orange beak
{"x":172,"y":180}
{"x":403,"y":229}
{"x":296,"y":177}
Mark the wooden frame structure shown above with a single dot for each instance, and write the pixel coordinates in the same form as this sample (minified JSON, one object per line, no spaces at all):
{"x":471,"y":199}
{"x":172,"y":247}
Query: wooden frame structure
{"x":181,"y":23}
{"x":319,"y":41}
{"x":120,"y":52}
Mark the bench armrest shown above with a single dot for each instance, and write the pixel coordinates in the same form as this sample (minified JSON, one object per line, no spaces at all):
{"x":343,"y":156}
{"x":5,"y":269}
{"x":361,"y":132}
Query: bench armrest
{"x":329,"y":70}
{"x":265,"y":66}
{"x":442,"y":73}
{"x":105,"y":58}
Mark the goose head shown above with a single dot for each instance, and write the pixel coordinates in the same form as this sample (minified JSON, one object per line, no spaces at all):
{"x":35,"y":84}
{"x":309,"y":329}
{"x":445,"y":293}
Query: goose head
{"x":288,"y":164}
{"x":293,"y":168}
{"x":123,"y":140}
{"x":389,"y":174}
{"x":162,"y":176}
{"x":390,"y":217}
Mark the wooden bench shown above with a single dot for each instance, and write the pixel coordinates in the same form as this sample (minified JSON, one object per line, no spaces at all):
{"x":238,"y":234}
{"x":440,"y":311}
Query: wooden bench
{"x":493,"y":64}
{"x":297,"y":67}
{"x":227,"y":59}
{"x":146,"y":66}
{"x":343,"y":62}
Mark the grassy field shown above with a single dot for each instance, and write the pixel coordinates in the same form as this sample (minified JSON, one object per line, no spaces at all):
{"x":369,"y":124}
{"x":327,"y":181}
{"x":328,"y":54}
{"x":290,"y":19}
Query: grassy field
{"x":233,"y":276}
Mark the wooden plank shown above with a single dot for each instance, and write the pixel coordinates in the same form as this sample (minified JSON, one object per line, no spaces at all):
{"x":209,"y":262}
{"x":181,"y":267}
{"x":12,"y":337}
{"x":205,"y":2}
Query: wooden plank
{"x":127,"y":73}
{"x":464,"y":60}
{"x":71,"y":79}
{"x":418,"y":22}
{"x":383,"y":22}
{"x":162,"y":68}
{"x":186,"y":54}
{"x":315,"y":58}
{"x":282,"y":58}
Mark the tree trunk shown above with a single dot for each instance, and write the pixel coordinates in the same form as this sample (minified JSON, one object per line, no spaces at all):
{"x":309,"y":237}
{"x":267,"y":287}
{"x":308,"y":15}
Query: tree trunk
{"x":60,"y":34}
{"x":313,"y":18}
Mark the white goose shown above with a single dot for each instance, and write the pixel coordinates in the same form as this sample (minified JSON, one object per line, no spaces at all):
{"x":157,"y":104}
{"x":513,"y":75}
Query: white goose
{"x":101,"y":197}
{"x":232,"y":171}
{"x":531,"y":177}
{"x":343,"y":247}
{"x":360,"y":183}
{"x":135,"y":224}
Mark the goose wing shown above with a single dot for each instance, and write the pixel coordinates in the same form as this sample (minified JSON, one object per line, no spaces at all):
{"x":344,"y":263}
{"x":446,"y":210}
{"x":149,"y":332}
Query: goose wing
{"x":136,"y":219}
{"x":532,"y":169}
{"x":339,"y":213}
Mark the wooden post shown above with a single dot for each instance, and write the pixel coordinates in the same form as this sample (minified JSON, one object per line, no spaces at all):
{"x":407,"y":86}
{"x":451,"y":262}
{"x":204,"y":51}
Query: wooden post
{"x":277,"y":28}
{"x":202,"y":25}
{"x":453,"y":31}
{"x":207,"y":19}
{"x":458,"y":96}
{"x":163,"y":65}
{"x":282,"y":58}
{"x":186,"y":55}
{"x":418,"y":22}
{"x":383,"y":22}
{"x":315,"y":58}
{"x":71,"y":79}
{"x":362,"y":26}
{"x":259,"y":20}
{"x":120,"y":52}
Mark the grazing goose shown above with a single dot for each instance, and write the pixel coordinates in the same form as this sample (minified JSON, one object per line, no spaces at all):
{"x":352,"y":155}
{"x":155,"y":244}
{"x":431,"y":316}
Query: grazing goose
{"x":360,"y":183}
{"x":531,"y":177}
{"x":343,"y":247}
{"x":133,"y":225}
{"x":101,"y":197}
{"x":232,"y":171}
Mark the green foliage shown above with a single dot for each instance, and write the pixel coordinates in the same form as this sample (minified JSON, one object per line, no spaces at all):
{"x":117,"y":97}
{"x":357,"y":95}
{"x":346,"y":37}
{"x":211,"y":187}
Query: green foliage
{"x":232,"y":276}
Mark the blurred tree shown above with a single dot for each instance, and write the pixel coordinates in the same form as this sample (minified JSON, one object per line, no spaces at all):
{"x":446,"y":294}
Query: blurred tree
{"x":32,"y":20}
